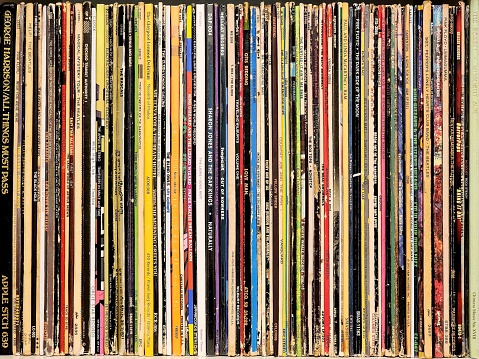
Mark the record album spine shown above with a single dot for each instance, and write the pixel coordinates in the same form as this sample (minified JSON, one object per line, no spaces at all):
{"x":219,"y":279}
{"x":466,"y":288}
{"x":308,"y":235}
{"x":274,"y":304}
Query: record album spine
{"x":437,"y":202}
{"x":252,"y":185}
{"x":474,"y":167}
{"x":18,"y":158}
{"x":86,"y":185}
{"x":428,"y":176}
{"x":189,"y":172}
{"x":175,"y":182}
{"x":148,"y":189}
{"x":231,"y":176}
{"x":8,"y":16}
{"x":129,"y":182}
{"x":210,"y":252}
{"x":274,"y":178}
{"x":345,"y":181}
{"x":201,"y":177}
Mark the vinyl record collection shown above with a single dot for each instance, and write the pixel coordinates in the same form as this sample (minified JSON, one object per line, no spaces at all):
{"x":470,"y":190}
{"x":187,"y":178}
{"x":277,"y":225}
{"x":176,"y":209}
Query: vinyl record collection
{"x":229,"y":179}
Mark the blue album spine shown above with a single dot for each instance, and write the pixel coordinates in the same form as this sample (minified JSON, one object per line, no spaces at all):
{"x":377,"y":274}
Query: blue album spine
{"x":253,"y":187}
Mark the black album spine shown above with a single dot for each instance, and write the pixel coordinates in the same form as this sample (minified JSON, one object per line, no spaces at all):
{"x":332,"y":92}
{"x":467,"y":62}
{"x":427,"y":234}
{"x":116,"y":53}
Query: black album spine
{"x":356,"y":181}
{"x":86,"y":138}
{"x":59,"y":79}
{"x":129,"y":184}
{"x":7,"y":52}
{"x":210,"y":253}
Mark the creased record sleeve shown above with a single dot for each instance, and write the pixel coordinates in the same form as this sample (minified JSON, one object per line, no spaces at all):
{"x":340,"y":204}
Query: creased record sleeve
{"x":7,"y":48}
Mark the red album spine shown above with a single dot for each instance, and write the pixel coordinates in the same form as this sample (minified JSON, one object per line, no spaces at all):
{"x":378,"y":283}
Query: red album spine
{"x":241,"y":194}
{"x":63,"y":183}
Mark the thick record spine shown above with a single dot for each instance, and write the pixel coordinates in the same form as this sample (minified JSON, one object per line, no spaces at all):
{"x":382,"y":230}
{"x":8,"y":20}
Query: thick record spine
{"x":148,"y":133}
{"x":17,"y":188}
{"x":210,"y":252}
{"x":7,"y":38}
